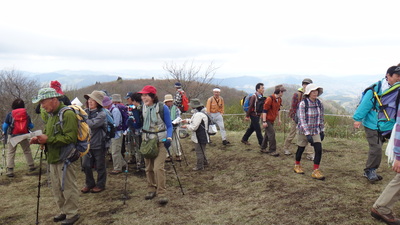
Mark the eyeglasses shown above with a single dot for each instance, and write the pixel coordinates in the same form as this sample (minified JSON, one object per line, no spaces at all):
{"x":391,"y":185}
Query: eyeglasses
{"x":397,"y":69}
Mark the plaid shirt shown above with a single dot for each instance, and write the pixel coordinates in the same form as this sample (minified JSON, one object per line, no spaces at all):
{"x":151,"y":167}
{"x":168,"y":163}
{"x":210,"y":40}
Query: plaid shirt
{"x":295,"y":103}
{"x":315,"y":118}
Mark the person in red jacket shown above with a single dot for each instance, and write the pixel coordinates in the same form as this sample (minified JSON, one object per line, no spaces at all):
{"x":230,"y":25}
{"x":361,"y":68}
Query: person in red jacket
{"x":271,"y":110}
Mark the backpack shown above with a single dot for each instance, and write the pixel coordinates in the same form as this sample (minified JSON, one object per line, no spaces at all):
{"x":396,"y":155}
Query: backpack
{"x":388,"y":106}
{"x":110,"y":128}
{"x":125,"y":116}
{"x":259,"y":107}
{"x":372,"y":88}
{"x":244,"y":102}
{"x":297,"y":115}
{"x":83,"y":141}
{"x":19,"y":122}
{"x":184,"y":102}
{"x":211,"y":127}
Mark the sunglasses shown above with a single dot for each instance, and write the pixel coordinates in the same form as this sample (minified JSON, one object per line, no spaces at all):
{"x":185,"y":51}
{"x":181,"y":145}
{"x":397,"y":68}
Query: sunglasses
{"x":397,"y":69}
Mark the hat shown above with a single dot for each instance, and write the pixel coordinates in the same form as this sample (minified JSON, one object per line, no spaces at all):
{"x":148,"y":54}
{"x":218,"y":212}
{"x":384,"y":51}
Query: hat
{"x":168,"y":98}
{"x":107,"y":101}
{"x":194,"y":103}
{"x":116,"y":98}
{"x":178,"y":85}
{"x":307,"y":80}
{"x":98,"y":96}
{"x":129,"y":95}
{"x":46,"y":93}
{"x":57,"y":86}
{"x":280,"y":87}
{"x":313,"y":87}
{"x":76,"y":102}
{"x":217,"y":89}
{"x":148,"y":89}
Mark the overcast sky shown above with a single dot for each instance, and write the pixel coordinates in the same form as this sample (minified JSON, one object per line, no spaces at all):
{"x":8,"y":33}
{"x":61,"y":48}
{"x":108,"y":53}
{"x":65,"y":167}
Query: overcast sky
{"x":334,"y":38}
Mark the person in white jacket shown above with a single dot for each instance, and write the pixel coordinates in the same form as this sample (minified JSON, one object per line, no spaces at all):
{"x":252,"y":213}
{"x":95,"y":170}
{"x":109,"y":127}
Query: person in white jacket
{"x":198,"y":124}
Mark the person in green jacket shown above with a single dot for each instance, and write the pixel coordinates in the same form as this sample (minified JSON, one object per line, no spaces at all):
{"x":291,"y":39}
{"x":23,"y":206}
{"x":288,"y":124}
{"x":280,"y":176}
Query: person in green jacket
{"x":56,"y":139}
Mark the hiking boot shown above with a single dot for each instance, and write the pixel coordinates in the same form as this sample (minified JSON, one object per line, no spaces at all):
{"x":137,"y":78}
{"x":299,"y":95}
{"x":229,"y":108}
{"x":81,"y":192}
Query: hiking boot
{"x":287,"y":152}
{"x":317,"y":174}
{"x":178,"y":159}
{"x":225,"y":142}
{"x":32,"y":168}
{"x":97,"y":190}
{"x":245,"y":142}
{"x":150,"y":195}
{"x":275,"y":154}
{"x":263,"y":150}
{"x":85,"y":190}
{"x":71,"y":220}
{"x":59,"y":217}
{"x":297,"y":169}
{"x":371,"y":175}
{"x":163,"y":201}
{"x":387,"y":218}
{"x":310,"y":157}
{"x":168,"y":159}
{"x":10,"y":172}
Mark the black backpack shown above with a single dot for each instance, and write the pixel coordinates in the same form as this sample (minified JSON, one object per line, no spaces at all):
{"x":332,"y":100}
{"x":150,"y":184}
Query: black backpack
{"x":259,"y":105}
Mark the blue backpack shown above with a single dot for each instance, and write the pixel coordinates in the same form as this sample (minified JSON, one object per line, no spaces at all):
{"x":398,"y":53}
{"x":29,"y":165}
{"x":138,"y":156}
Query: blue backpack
{"x":244,"y":102}
{"x":125,"y":116}
{"x":110,"y":129}
{"x":388,"y":107}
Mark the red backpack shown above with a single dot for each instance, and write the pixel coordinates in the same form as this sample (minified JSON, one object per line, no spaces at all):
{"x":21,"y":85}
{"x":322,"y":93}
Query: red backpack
{"x":185,"y":102}
{"x":19,"y":122}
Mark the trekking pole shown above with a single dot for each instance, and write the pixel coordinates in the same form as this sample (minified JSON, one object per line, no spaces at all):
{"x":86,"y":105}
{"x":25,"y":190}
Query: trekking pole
{"x":39,"y":184}
{"x":380,"y":104}
{"x":176,"y":173}
{"x":3,"y":155}
{"x":125,"y":197}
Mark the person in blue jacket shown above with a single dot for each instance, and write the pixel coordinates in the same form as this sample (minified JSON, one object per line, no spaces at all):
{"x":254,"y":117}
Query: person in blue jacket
{"x":367,"y":115}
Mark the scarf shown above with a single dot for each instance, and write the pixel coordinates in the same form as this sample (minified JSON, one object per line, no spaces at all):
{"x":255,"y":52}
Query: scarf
{"x":151,"y":116}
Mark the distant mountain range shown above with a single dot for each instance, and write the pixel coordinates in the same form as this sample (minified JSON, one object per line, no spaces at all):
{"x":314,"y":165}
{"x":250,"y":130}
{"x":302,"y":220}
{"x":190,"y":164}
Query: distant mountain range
{"x":344,"y":90}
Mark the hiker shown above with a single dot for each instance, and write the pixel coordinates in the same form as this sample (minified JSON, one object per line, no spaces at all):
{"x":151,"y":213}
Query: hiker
{"x":97,"y":153}
{"x":175,"y":114}
{"x":135,"y":127}
{"x":383,"y":206}
{"x":254,"y":116}
{"x":56,"y":138}
{"x":181,"y":100}
{"x":116,"y":142}
{"x":197,"y":124}
{"x":18,"y":122}
{"x":215,"y":108}
{"x":367,"y":115}
{"x":311,"y":128}
{"x":56,"y":86}
{"x":296,"y":99}
{"x":156,"y":125}
{"x":271,"y":111}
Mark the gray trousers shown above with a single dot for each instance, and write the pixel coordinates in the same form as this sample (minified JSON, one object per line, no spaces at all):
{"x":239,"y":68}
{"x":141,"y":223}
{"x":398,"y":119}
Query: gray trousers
{"x":269,"y":136}
{"x":375,"y":149}
{"x":219,"y":120}
{"x":97,"y":158}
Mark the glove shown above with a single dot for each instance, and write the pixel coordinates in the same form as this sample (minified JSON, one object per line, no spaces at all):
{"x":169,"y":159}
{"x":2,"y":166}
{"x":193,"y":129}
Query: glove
{"x":310,"y":139}
{"x":322,"y":135}
{"x":167,"y":143}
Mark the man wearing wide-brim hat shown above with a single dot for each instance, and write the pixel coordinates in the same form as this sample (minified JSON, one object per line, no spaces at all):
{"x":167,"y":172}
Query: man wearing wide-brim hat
{"x":175,"y":114}
{"x":55,"y":138}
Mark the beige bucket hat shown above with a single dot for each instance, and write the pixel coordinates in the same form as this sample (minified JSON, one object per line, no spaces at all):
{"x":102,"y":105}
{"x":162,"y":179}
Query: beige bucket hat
{"x":98,"y":96}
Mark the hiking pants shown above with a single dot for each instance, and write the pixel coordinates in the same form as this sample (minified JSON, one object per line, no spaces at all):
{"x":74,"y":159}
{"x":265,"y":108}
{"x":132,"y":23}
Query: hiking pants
{"x":384,"y":204}
{"x":269,"y":136}
{"x":27,"y":152}
{"x":175,"y":144}
{"x":201,"y":155}
{"x":375,"y":149}
{"x":291,"y":135}
{"x":302,"y":143}
{"x":254,"y":126}
{"x":67,"y":200}
{"x":117,"y":157}
{"x":155,"y":172}
{"x":96,"y":158}
{"x":219,"y":120}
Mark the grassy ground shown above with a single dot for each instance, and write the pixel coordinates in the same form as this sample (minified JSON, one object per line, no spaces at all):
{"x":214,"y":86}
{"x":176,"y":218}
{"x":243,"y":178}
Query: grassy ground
{"x":241,"y":186}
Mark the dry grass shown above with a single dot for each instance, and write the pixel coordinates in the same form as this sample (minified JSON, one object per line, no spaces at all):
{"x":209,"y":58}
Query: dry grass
{"x":241,"y":186}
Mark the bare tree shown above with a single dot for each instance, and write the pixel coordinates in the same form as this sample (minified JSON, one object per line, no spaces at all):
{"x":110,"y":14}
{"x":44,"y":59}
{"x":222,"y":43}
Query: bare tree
{"x":14,"y":85}
{"x":195,"y":81}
